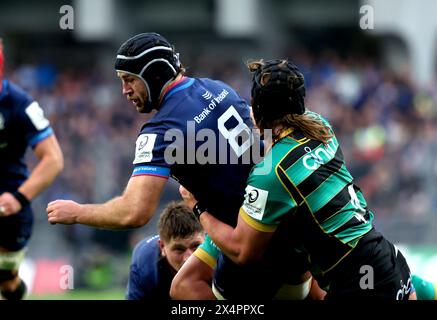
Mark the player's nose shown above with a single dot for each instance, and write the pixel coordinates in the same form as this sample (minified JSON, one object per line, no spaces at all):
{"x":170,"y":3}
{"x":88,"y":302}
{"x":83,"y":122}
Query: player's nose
{"x":127,"y":89}
{"x":187,"y":254}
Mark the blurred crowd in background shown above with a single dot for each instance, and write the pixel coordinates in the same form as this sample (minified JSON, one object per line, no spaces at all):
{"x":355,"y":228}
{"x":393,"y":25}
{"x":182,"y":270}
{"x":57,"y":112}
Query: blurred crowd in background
{"x":385,"y":123}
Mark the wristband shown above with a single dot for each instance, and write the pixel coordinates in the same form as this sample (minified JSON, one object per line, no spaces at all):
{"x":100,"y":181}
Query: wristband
{"x":21,"y":198}
{"x":198,"y":209}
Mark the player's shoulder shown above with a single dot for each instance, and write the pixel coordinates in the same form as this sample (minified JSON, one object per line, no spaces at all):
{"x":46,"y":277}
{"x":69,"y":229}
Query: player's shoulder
{"x":264,"y":172}
{"x":318,"y":116}
{"x":146,"y":249}
{"x":216,"y":85}
{"x":19,"y":97}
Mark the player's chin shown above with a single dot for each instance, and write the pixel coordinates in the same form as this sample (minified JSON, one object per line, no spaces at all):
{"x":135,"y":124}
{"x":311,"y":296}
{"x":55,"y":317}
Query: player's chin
{"x":142,"y":109}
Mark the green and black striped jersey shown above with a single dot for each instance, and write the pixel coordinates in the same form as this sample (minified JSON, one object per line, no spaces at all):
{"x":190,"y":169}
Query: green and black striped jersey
{"x":307,"y":181}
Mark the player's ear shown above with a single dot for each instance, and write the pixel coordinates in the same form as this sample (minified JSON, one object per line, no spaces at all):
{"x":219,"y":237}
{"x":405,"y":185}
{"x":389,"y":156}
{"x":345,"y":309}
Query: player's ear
{"x":161,"y":247}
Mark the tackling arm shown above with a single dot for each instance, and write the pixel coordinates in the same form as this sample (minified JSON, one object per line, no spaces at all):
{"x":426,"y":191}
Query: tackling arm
{"x":242,"y":245}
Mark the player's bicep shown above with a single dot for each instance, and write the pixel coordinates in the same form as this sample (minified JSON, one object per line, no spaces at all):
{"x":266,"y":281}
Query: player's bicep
{"x":253,"y":241}
{"x":35,"y":126}
{"x":208,"y":252}
{"x":48,"y":147}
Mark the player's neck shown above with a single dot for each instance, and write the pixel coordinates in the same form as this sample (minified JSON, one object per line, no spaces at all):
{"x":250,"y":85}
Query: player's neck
{"x":169,"y":85}
{"x":280,"y":132}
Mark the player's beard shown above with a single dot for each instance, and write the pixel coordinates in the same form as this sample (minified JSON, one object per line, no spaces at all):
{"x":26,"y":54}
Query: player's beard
{"x":140,"y":104}
{"x":141,"y":107}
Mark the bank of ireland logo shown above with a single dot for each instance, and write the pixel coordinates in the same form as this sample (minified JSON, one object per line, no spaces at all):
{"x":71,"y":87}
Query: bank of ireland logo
{"x":207,"y":95}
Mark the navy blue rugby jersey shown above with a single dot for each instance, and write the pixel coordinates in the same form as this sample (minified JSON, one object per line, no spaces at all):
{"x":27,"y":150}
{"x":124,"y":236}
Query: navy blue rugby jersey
{"x":201,"y":136}
{"x":22,"y":124}
{"x":150,"y":274}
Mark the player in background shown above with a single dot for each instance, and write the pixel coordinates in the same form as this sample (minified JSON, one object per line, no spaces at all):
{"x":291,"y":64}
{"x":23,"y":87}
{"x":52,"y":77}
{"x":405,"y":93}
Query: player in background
{"x":22,"y":125}
{"x":156,"y":259}
{"x":310,"y":192}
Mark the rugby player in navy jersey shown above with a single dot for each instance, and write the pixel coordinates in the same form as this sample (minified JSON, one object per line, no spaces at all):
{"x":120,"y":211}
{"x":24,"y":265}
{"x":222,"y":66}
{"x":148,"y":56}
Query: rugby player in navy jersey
{"x":200,"y":136}
{"x":22,"y":125}
{"x":156,"y":259}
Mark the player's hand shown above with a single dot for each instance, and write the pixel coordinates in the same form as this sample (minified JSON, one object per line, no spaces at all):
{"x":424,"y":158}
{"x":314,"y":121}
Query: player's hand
{"x":8,"y":204}
{"x":63,"y":211}
{"x":188,"y":197}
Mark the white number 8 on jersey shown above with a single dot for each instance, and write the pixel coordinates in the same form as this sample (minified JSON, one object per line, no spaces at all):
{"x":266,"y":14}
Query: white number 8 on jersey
{"x":231,"y":135}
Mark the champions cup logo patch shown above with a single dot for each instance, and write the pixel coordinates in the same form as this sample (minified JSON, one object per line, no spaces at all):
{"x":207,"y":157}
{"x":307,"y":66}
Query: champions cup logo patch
{"x":36,"y":115}
{"x":144,"y":148}
{"x":255,"y":202}
{"x":143,"y":143}
{"x":252,"y":196}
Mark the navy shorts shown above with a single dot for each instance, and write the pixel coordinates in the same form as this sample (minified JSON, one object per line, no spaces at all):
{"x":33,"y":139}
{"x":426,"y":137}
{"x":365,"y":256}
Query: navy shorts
{"x":15,"y":230}
{"x":375,"y":269}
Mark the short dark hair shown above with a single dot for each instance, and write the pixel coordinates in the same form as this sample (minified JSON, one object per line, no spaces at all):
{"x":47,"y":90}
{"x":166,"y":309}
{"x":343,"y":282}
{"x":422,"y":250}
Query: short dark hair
{"x":177,"y":221}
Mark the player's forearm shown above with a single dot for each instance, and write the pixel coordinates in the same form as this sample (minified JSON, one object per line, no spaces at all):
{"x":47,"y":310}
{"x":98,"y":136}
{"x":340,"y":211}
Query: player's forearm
{"x":222,"y":235}
{"x":42,"y":176}
{"x":116,"y":214}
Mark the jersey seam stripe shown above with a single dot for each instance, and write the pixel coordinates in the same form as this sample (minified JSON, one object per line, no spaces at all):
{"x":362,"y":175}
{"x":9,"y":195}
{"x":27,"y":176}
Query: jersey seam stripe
{"x":177,"y":89}
{"x":259,"y":226}
{"x":348,"y":243}
{"x":339,"y":260}
{"x":296,"y":163}
{"x":42,"y":135}
{"x":284,"y":185}
{"x":150,"y":174}
{"x":204,"y":256}
{"x":327,"y":202}
{"x":298,"y":195}
{"x":340,"y":194}
{"x":279,"y":165}
{"x":288,"y":162}
{"x":337,"y":212}
{"x":345,"y":226}
{"x":336,"y":168}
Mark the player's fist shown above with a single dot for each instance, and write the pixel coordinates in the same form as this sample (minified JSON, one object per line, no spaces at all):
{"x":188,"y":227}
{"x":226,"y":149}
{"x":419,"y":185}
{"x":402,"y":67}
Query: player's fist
{"x":63,"y":211}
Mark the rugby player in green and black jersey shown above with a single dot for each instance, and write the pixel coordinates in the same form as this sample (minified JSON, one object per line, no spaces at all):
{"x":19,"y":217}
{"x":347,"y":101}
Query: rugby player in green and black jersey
{"x":310,"y":193}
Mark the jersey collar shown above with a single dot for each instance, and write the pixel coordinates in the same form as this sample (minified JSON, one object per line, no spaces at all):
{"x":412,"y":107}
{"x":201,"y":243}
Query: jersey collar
{"x":176,"y":86}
